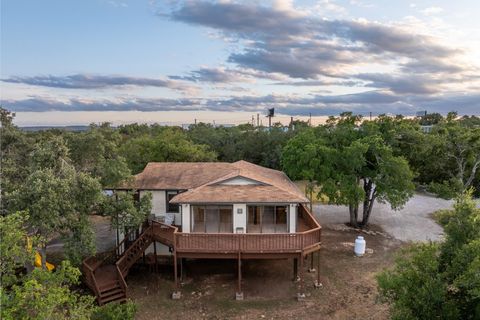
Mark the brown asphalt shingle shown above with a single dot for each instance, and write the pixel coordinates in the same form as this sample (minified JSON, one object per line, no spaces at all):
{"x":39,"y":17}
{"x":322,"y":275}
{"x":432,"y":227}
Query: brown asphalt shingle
{"x":202,"y":180}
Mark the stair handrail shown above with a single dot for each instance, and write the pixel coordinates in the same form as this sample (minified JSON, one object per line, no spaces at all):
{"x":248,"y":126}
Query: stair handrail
{"x":123,"y":284}
{"x":145,"y":232}
{"x":125,"y":238}
{"x":92,"y":275}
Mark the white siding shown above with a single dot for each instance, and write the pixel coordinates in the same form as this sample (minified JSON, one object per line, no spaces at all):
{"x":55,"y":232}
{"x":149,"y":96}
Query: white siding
{"x":158,"y":201}
{"x":185,"y":208}
{"x":292,"y":213}
{"x":240,"y":219}
{"x":239,"y":181}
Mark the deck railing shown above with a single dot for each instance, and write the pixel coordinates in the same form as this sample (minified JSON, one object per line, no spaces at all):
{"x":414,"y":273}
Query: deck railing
{"x":252,"y":242}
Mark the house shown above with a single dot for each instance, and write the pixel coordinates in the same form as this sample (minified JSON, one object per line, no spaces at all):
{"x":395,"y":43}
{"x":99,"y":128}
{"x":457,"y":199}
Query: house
{"x":209,"y":211}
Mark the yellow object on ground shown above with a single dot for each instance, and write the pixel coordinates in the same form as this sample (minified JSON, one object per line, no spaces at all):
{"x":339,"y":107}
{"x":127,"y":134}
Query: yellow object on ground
{"x":38,"y":262}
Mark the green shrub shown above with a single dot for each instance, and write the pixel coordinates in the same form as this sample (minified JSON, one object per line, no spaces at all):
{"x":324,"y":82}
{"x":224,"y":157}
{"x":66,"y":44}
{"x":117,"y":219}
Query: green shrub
{"x":116,"y":311}
{"x":448,"y":189}
{"x":439,"y":281}
{"x":443,"y":216}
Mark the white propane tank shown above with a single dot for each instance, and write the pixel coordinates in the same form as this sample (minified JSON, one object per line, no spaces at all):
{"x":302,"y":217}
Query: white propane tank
{"x":360,"y":245}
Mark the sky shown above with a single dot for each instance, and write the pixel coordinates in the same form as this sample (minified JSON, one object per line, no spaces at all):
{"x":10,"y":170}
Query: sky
{"x":69,"y":62}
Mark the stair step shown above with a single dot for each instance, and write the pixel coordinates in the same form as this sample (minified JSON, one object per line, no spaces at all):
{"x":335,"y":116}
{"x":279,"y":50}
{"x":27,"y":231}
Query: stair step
{"x":109,"y":286}
{"x":116,"y":297}
{"x":112,"y":292}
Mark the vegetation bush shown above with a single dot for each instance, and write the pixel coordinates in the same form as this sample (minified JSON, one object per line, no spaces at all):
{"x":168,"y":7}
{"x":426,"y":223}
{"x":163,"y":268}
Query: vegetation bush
{"x":439,"y":281}
{"x":115,"y":311}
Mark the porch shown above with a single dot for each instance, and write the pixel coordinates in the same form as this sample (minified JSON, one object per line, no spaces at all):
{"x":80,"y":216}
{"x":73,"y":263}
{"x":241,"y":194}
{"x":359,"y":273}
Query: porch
{"x":238,"y":246}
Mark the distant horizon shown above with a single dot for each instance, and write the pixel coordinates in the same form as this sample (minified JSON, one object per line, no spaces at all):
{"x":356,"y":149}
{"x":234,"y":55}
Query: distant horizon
{"x":170,"y":118}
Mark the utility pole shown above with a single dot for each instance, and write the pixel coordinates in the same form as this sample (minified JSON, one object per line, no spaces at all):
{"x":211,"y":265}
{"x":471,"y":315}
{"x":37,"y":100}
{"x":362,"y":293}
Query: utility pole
{"x":258,"y":119}
{"x":271,"y":113}
{"x":253,"y":121}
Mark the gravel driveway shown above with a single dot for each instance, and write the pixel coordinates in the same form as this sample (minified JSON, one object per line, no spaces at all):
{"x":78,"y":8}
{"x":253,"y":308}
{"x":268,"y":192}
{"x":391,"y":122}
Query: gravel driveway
{"x":411,"y":223}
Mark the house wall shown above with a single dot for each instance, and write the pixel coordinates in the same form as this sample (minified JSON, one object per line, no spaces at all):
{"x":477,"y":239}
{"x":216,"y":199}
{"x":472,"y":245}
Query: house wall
{"x":240,"y":219}
{"x":159,"y":206}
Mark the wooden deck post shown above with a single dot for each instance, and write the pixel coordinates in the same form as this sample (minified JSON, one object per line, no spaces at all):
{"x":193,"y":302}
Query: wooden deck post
{"x":155,"y":254}
{"x":239,"y":293}
{"x":181,"y":269}
{"x":176,"y":294}
{"x":295,"y":269}
{"x":312,"y":268}
{"x":318,"y":284}
{"x":301,"y":294}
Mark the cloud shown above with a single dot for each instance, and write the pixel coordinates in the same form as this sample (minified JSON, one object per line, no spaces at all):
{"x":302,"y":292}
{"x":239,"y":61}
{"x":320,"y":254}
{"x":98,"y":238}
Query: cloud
{"x":376,"y":101}
{"x":86,"y":81}
{"x":430,"y":11}
{"x":285,"y":40}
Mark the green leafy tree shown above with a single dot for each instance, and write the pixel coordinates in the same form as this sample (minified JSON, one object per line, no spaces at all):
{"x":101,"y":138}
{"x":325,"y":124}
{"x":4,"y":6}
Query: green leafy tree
{"x":13,"y":247}
{"x":460,"y":150}
{"x":59,"y":200}
{"x":15,"y":149}
{"x":439,"y":281}
{"x":351,"y":166}
{"x":124,"y":211}
{"x":96,"y":151}
{"x":170,"y":144}
{"x":47,"y":295}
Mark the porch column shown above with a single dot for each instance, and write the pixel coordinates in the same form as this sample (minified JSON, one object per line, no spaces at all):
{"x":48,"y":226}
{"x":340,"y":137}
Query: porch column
{"x":239,"y":293}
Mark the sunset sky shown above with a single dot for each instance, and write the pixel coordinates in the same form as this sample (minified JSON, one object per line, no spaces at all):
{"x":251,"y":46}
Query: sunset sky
{"x":76,"y":62}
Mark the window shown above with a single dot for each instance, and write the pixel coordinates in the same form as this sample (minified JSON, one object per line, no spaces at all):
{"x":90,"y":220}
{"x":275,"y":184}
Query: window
{"x":172,"y":207}
{"x":267,"y":219}
{"x":212,"y":219}
{"x":253,"y":219}
{"x":198,"y":219}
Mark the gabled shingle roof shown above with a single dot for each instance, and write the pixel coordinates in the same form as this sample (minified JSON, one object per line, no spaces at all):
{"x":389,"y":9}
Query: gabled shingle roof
{"x":203,"y":180}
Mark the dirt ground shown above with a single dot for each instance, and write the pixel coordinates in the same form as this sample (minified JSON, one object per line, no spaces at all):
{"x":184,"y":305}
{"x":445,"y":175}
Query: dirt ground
{"x":348,"y":292}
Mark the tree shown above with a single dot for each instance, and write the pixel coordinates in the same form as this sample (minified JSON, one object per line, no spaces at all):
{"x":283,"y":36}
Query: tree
{"x":15,"y":148}
{"x":47,"y":295}
{"x":351,"y":165}
{"x":124,"y":211}
{"x":58,"y":200}
{"x":439,"y":281}
{"x":96,"y":151}
{"x":13,"y":247}
{"x":170,"y":144}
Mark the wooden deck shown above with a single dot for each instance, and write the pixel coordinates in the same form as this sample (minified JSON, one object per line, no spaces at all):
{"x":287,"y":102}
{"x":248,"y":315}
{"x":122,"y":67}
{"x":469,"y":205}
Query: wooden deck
{"x":107,"y":281}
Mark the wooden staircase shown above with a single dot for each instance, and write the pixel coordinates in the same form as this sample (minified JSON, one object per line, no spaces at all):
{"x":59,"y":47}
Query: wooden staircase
{"x":107,"y":279}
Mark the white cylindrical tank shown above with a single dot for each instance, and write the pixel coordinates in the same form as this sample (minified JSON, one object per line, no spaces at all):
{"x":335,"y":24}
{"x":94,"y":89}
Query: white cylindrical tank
{"x":360,"y":245}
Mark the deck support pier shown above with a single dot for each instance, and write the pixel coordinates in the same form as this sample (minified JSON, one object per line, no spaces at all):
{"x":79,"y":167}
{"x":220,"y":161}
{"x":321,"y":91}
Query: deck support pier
{"x":317,"y":283}
{"x":295,"y":269}
{"x":183,"y":272}
{"x":176,"y":294}
{"x":312,"y":268}
{"x":239,"y":293}
{"x":301,"y":293}
{"x":155,"y":254}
